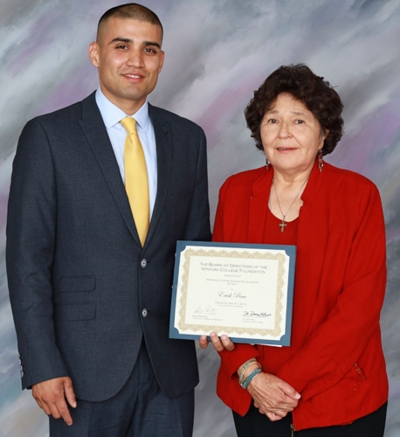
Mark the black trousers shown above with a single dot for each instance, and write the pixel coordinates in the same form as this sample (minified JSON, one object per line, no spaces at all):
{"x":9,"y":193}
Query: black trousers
{"x":140,"y":409}
{"x":254,"y":424}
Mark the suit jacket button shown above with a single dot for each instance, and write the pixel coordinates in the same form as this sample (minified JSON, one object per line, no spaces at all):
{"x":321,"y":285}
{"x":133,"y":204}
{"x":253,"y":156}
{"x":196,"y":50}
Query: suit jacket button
{"x":144,"y":312}
{"x":143,"y":263}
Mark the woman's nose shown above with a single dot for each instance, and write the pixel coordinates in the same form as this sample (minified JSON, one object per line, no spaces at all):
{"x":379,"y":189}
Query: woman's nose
{"x":284,"y":130}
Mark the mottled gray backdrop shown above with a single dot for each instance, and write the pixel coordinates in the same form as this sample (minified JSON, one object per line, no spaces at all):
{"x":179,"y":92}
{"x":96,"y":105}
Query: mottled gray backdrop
{"x":217,"y":53}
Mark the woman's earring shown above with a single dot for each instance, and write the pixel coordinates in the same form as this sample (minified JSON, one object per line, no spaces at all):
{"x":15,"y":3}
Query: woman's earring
{"x":320,"y":161}
{"x":266,"y":163}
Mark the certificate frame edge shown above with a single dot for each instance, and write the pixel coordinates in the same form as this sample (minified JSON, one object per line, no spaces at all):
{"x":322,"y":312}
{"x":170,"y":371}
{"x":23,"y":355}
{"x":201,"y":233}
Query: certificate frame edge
{"x":173,"y":332}
{"x":290,"y":251}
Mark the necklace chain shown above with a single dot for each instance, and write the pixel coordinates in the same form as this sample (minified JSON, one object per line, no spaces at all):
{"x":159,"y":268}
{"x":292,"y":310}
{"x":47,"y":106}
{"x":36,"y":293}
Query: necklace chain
{"x":283,"y":224}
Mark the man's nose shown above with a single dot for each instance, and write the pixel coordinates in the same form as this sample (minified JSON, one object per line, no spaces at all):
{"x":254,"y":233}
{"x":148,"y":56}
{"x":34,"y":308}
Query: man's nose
{"x":135,"y":58}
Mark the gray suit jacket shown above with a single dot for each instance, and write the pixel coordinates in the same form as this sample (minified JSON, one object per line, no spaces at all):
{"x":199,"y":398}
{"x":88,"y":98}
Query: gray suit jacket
{"x":79,"y":279}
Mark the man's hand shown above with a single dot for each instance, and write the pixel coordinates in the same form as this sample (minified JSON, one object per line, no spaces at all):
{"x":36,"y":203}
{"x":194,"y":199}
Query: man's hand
{"x":273,"y":396}
{"x":51,"y":396}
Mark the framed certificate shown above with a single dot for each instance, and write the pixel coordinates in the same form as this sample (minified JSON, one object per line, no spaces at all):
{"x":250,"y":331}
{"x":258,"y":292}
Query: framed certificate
{"x":242,"y":290}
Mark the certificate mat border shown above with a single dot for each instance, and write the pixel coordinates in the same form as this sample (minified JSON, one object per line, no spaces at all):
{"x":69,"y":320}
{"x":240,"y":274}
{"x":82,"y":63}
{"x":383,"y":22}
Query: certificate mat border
{"x":290,"y":252}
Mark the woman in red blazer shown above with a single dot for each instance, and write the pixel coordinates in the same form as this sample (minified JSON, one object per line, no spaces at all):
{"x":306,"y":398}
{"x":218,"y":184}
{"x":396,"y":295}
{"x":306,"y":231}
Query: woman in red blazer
{"x":332,"y":379}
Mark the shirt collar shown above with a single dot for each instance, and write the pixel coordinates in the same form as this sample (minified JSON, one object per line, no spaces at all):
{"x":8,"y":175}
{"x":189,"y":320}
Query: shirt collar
{"x":112,"y":115}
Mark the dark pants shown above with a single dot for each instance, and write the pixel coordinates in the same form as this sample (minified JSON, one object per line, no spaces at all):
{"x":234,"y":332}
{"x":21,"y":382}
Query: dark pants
{"x":140,"y":409}
{"x":254,"y":424}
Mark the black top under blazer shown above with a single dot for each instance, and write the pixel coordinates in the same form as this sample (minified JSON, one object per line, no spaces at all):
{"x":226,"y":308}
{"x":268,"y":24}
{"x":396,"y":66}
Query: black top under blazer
{"x":78,"y":276}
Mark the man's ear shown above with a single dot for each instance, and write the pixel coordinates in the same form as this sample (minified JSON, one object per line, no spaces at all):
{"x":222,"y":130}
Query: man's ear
{"x":162,"y":61}
{"x":94,"y":53}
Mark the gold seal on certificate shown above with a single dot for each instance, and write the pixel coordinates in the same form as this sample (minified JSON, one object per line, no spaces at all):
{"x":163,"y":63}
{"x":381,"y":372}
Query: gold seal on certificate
{"x":242,"y":290}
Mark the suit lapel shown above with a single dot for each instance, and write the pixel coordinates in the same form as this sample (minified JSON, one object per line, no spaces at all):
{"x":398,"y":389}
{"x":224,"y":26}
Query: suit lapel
{"x":164,"y":164}
{"x":259,"y":205}
{"x":97,"y":137}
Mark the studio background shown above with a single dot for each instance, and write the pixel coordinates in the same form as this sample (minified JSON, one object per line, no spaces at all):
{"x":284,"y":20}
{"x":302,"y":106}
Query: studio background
{"x":217,"y":53}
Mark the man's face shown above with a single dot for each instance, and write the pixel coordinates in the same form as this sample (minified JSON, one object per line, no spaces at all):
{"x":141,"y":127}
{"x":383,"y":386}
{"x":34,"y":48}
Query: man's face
{"x":129,"y":58}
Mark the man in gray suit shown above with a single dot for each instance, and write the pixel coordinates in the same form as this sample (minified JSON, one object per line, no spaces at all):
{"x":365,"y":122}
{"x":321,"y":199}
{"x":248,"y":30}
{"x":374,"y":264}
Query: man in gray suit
{"x":90,"y":286}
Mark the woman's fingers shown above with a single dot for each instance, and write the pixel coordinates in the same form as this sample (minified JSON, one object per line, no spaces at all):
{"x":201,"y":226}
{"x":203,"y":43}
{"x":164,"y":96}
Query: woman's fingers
{"x":219,"y":343}
{"x":227,"y":343}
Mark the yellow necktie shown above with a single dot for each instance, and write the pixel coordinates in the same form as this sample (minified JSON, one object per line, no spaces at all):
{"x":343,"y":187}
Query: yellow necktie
{"x":136,"y":182}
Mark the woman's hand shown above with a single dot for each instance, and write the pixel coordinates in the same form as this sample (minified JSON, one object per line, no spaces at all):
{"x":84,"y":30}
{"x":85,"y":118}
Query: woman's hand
{"x":219,"y":343}
{"x":273,"y":396}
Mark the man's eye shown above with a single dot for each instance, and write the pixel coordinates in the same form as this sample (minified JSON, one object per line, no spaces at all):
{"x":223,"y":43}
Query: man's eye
{"x":122,"y":46}
{"x":149,"y":50}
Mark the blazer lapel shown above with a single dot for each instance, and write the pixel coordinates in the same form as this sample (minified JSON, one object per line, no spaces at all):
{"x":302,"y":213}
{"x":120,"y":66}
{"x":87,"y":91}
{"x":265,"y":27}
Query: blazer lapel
{"x":259,"y":205}
{"x":97,"y":137}
{"x":165,"y":151}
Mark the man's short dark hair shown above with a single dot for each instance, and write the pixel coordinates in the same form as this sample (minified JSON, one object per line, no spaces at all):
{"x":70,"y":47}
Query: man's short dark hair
{"x":134,"y":11}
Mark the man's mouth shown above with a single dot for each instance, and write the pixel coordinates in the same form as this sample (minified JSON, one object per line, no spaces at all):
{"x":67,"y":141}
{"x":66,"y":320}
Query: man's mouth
{"x":133,"y":76}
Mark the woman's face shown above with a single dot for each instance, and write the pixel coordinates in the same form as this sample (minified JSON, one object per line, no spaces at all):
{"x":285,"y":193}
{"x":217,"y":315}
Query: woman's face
{"x":291,"y":135}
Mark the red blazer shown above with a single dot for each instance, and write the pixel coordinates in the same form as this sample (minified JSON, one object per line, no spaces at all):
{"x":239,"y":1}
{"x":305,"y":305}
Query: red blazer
{"x":335,"y":359}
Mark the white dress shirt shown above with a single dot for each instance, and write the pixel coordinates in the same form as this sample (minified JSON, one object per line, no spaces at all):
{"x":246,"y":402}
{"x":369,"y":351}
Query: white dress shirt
{"x":112,"y":115}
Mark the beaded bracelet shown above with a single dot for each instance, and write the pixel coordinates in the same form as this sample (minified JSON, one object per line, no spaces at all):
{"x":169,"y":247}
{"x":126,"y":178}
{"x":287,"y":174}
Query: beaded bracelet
{"x":245,"y":366}
{"x":247,"y":381}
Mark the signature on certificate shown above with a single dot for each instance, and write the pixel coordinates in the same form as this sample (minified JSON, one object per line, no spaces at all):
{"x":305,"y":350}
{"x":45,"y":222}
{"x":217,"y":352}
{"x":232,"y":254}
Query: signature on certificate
{"x":207,"y":310}
{"x":256,"y":314}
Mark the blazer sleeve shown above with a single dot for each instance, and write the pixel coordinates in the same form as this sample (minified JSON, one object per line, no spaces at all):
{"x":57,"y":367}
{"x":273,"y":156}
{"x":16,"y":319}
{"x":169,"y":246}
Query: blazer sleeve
{"x":335,"y":346}
{"x":31,"y":231}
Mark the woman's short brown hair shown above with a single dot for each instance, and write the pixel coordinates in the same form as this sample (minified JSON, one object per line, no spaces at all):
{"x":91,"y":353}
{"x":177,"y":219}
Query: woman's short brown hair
{"x":313,"y":91}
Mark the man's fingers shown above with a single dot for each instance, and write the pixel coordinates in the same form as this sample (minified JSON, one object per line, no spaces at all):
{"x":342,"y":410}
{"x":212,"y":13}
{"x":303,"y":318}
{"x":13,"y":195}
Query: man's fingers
{"x":62,"y":411}
{"x":203,"y":342}
{"x":54,"y":411}
{"x":69,"y":393}
{"x":45,"y":408}
{"x":40,"y":404}
{"x":52,"y":396}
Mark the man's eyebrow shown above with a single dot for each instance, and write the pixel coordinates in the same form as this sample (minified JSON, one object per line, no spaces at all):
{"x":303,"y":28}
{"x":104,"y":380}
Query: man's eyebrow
{"x":151,"y":43}
{"x":120,"y":39}
{"x":130,"y":41}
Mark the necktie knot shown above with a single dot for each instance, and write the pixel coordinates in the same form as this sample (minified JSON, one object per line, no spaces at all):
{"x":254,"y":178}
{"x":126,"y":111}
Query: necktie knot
{"x":129,"y":125}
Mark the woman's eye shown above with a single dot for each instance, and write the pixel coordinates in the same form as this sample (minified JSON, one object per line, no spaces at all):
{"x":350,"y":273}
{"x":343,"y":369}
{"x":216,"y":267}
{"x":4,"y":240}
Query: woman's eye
{"x":299,"y":121}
